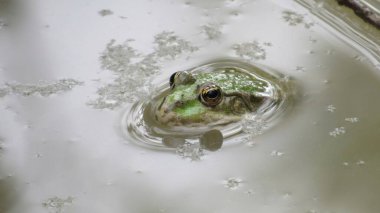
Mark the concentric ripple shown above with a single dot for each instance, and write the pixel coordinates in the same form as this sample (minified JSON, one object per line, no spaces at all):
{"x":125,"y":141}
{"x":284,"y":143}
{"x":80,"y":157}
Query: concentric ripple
{"x":140,"y":126}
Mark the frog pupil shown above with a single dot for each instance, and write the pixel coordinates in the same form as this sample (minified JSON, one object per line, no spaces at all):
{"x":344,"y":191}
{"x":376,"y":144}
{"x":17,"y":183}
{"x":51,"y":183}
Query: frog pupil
{"x":212,"y":94}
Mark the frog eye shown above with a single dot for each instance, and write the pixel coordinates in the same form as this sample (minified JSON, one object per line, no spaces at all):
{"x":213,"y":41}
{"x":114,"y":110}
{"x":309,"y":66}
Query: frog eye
{"x":172,"y":79}
{"x":180,"y":77}
{"x":210,"y":94}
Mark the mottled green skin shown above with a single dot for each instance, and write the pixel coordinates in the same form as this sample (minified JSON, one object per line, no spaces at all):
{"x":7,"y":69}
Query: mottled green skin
{"x":192,"y":112}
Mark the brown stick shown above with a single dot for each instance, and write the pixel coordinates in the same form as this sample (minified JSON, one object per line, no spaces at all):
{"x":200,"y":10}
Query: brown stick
{"x":363,"y":11}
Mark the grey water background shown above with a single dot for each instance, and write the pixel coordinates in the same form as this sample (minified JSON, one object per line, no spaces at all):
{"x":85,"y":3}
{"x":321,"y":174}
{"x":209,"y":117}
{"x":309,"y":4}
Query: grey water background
{"x":70,"y":69}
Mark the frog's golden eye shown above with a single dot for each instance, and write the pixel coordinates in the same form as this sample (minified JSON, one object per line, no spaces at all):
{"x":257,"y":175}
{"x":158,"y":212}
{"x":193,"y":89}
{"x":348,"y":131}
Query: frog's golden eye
{"x":210,"y":94}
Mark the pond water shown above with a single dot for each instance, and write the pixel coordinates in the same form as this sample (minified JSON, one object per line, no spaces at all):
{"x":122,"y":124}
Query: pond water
{"x":70,"y":72}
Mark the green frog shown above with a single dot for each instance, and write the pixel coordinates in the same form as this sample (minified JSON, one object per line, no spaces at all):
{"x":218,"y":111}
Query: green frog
{"x":212,"y":97}
{"x":208,"y":104}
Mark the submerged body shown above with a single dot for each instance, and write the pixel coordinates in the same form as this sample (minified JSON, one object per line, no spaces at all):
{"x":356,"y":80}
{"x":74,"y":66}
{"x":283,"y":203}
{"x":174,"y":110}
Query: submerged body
{"x":215,"y":97}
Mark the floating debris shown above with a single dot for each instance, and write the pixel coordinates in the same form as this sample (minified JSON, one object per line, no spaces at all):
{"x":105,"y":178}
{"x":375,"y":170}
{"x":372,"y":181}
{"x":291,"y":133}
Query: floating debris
{"x":250,"y":192}
{"x":330,"y":52}
{"x":352,"y":120}
{"x":300,"y":69}
{"x":212,"y":31}
{"x":117,"y":57}
{"x":4,"y":91}
{"x":1,"y":145}
{"x":191,"y":151}
{"x":276,"y":153}
{"x":42,"y":88}
{"x":360,"y":162}
{"x":293,"y":19}
{"x":134,"y":70}
{"x":268,"y":44}
{"x":331,"y":108}
{"x":312,"y":40}
{"x":253,"y":125}
{"x":123,"y":90}
{"x":105,"y":12}
{"x":3,"y":24}
{"x":337,"y":131}
{"x":235,"y":13}
{"x":287,"y":195}
{"x":360,"y":58}
{"x":56,"y":204}
{"x":232,"y":183}
{"x":170,"y":45}
{"x":250,"y":50}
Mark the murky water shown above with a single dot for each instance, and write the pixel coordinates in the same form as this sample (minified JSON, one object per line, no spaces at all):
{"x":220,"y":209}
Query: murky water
{"x":70,"y":70}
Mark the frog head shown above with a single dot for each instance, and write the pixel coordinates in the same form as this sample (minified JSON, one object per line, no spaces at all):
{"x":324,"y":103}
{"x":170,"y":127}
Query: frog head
{"x":209,"y":98}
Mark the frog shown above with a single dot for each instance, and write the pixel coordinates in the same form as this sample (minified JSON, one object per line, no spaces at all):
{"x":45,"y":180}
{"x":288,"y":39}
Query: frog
{"x":211,"y":97}
{"x":205,"y":106}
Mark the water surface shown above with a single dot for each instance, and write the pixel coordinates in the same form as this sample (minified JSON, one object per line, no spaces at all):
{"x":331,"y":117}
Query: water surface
{"x":69,"y":70}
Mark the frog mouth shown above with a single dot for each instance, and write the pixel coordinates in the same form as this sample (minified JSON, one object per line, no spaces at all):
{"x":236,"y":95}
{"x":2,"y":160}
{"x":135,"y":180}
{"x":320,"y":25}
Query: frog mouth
{"x":161,"y":104}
